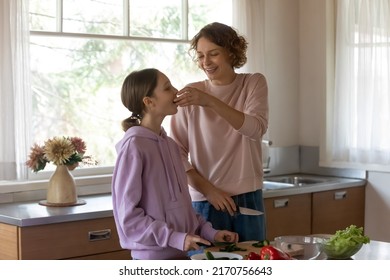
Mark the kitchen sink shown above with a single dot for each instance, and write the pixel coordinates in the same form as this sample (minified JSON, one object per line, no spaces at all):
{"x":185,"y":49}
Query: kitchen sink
{"x":289,"y":181}
{"x":270,"y":185}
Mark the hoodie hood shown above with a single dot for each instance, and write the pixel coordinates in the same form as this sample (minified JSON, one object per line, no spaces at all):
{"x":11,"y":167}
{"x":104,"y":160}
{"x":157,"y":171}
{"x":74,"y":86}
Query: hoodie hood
{"x":139,"y":131}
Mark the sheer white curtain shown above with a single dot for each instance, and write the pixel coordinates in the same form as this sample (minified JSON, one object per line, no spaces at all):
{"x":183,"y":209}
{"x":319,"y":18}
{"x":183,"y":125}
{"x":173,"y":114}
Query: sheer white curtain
{"x":249,"y":20}
{"x":14,"y":88}
{"x":359,"y":134}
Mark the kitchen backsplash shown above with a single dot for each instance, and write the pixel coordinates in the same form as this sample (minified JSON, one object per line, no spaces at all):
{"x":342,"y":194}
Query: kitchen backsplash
{"x":305,"y":159}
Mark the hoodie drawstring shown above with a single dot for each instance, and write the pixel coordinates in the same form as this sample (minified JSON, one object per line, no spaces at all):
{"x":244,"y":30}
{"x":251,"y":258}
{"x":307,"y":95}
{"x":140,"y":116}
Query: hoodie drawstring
{"x":169,"y":165}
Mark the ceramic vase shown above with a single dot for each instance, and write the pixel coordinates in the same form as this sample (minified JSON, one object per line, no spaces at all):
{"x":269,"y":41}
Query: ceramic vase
{"x":62,"y":188}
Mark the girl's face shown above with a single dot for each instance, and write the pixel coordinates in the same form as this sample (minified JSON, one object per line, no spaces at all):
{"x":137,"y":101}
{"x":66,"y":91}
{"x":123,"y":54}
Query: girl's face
{"x":163,"y":96}
{"x":214,"y":61}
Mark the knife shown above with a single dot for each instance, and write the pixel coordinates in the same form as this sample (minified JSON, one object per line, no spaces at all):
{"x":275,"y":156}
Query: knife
{"x":248,"y":211}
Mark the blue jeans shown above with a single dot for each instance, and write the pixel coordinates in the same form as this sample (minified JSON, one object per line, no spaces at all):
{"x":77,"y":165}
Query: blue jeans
{"x":248,"y":227}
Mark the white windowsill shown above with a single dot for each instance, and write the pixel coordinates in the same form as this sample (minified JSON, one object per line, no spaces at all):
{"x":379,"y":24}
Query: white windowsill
{"x":33,"y":185}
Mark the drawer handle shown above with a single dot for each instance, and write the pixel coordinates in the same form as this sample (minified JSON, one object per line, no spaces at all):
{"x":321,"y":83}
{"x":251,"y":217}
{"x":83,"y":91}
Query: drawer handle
{"x":281,"y":203}
{"x":340,"y":195}
{"x":99,"y":235}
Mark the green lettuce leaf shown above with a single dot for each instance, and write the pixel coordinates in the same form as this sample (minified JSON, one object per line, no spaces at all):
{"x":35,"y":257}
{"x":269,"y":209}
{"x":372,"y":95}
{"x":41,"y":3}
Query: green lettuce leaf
{"x":344,"y":239}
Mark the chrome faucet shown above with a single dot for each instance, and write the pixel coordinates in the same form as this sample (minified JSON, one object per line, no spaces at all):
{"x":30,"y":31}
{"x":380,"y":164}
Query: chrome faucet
{"x":267,"y":142}
{"x":266,"y":167}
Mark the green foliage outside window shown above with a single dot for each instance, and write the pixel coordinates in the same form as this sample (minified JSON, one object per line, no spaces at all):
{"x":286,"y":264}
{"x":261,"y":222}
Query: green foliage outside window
{"x":76,"y":77}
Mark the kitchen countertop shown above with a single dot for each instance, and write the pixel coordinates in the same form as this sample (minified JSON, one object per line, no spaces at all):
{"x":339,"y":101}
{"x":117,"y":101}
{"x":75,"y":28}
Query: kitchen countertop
{"x":334,"y":184}
{"x":375,"y":250}
{"x":100,"y":206}
{"x":32,"y":213}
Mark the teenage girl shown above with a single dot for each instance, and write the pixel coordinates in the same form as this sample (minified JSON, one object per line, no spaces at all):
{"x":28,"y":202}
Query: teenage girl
{"x":152,"y":205}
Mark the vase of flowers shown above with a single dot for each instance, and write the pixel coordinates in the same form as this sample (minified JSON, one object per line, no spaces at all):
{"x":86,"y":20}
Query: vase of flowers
{"x":62,"y":188}
{"x":66,"y":153}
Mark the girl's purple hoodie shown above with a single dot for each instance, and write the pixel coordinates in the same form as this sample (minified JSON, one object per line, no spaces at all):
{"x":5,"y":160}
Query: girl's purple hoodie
{"x":151,"y":203}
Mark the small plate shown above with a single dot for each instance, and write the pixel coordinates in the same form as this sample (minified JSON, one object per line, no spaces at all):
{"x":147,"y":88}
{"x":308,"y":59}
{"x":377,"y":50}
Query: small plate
{"x":217,"y":255}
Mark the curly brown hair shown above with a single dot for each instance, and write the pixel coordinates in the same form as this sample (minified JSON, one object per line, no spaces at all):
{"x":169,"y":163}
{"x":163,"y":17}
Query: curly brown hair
{"x":223,"y":36}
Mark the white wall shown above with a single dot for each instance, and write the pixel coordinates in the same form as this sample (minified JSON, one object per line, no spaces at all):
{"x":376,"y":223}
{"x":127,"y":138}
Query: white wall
{"x":281,"y":64}
{"x":378,"y":206}
{"x":312,"y":70}
{"x":299,"y":46}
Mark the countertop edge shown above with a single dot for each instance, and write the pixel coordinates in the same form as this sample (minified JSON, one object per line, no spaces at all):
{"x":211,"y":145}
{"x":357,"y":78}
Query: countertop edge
{"x":25,"y":214}
{"x":65,"y":218}
{"x":342,"y":184}
{"x":31,"y":213}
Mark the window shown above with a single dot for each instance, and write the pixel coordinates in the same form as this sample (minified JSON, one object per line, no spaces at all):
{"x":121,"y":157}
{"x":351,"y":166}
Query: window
{"x":82,"y":50}
{"x":359,"y":135}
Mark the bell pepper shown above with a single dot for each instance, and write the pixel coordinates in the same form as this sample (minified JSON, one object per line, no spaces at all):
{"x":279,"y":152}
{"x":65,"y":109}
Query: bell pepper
{"x":271,"y":253}
{"x":253,"y":256}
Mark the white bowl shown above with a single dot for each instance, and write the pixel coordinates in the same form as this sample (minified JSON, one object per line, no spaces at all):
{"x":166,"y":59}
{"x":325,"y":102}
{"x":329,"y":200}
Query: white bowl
{"x":300,"y":247}
{"x":230,"y":256}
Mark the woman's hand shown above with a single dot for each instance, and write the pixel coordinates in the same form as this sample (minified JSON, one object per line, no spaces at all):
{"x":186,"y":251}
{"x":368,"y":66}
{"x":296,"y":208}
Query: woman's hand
{"x":221,"y":200}
{"x":192,"y":96}
{"x":191,"y":242}
{"x":226,"y":236}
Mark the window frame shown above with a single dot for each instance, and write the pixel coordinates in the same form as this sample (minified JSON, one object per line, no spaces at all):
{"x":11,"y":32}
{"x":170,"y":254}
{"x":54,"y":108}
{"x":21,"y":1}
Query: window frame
{"x":96,"y":179}
{"x":105,"y":171}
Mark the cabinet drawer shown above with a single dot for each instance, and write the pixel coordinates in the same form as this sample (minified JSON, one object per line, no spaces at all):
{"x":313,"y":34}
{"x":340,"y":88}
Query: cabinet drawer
{"x":338,"y":209}
{"x":289,"y":215}
{"x":69,"y":240}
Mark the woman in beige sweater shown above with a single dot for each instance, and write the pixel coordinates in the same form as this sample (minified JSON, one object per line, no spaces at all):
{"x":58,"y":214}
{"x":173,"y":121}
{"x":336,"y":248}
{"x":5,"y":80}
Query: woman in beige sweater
{"x":219,"y":129}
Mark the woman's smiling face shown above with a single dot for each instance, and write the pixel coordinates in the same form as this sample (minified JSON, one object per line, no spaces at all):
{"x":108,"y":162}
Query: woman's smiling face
{"x":214,"y":61}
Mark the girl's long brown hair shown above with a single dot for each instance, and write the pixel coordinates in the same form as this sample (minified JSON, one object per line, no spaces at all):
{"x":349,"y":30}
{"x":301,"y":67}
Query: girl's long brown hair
{"x":136,"y":86}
